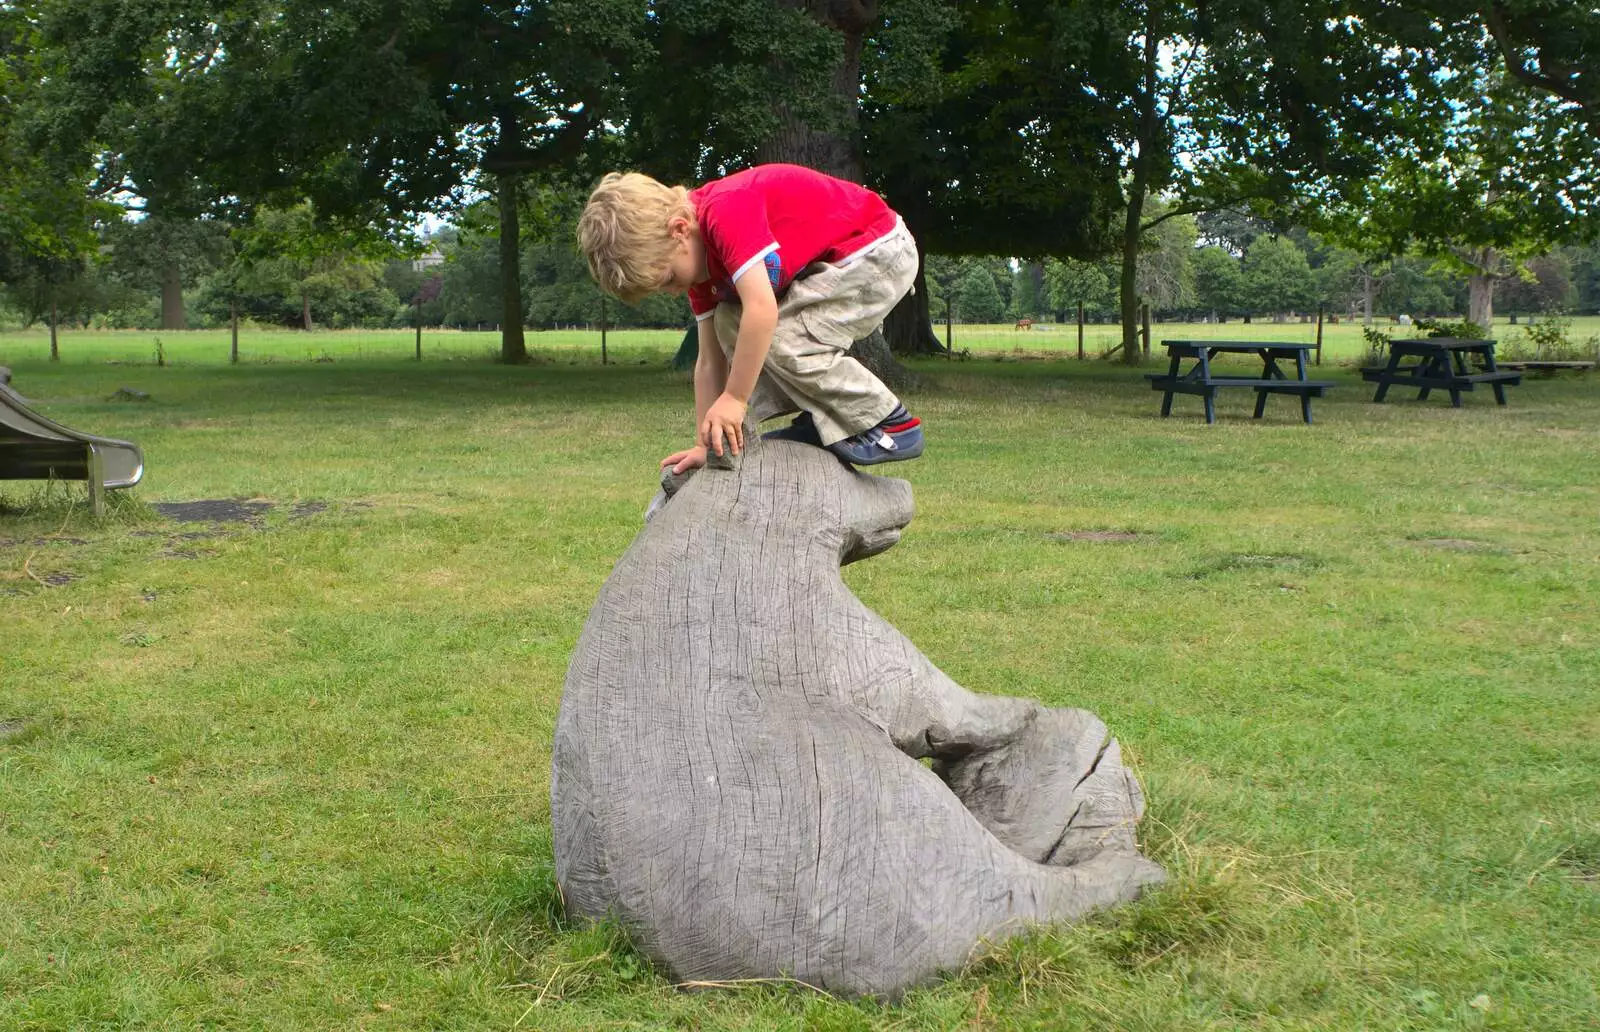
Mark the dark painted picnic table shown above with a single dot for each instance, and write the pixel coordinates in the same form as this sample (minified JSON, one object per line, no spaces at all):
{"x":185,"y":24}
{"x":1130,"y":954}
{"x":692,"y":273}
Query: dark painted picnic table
{"x":1441,"y":363}
{"x":1273,"y":379}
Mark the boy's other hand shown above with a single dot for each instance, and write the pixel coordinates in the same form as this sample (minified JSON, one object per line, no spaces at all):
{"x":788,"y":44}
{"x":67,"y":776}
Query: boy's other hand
{"x":683,"y":461}
{"x":724,"y":423}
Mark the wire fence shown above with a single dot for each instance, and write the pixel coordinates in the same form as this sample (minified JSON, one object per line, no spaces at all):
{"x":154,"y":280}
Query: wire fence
{"x":1342,"y":342}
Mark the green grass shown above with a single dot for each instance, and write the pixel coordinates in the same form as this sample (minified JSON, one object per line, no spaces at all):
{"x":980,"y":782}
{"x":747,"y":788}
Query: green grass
{"x":296,"y":776}
{"x":1342,"y":342}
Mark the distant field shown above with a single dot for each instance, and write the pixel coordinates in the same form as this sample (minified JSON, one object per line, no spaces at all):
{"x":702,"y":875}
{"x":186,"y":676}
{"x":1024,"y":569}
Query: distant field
{"x":1342,"y":342}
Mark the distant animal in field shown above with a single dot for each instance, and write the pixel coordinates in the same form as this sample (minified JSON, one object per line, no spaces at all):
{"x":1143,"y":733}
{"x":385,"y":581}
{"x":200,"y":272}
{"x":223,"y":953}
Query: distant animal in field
{"x":1023,"y":324}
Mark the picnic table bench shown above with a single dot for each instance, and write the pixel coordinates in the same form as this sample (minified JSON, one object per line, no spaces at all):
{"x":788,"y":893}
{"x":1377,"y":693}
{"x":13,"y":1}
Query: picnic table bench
{"x":1201,"y":380}
{"x":1441,"y":363}
{"x":1546,"y":368}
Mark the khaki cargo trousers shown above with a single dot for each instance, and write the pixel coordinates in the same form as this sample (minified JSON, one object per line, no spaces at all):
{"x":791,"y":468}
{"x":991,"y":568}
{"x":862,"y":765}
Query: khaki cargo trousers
{"x":825,"y":310}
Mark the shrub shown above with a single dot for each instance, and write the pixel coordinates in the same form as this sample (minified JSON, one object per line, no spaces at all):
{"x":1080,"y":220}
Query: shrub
{"x":1466,"y":329}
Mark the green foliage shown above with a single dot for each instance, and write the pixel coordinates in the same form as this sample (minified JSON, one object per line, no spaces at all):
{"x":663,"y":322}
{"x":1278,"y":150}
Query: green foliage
{"x":1164,"y":275}
{"x":1465,"y":329}
{"x":1218,"y":281}
{"x":1277,"y":278}
{"x":1377,"y":343}
{"x":978,"y":299}
{"x":1551,"y":340}
{"x":1069,"y":282}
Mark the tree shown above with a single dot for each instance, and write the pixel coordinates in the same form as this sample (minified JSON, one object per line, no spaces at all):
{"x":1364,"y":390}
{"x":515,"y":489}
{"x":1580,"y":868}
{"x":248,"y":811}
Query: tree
{"x":1163,"y":275}
{"x":1277,"y":278}
{"x":288,"y":270}
{"x":987,"y":128}
{"x":1028,"y":298}
{"x":978,"y":300}
{"x":1544,"y":286}
{"x":1218,"y":282}
{"x":1071,"y":283}
{"x":373,"y":112}
{"x":1500,"y":161}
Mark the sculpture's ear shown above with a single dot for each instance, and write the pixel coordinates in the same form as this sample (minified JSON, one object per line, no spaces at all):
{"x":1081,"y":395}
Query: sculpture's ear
{"x":671,"y":484}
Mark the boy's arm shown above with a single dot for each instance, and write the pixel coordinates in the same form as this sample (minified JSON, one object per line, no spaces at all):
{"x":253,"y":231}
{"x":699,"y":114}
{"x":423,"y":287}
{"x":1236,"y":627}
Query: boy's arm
{"x":756,"y":324}
{"x":710,"y":373}
{"x":710,"y":370}
{"x":725,"y":418}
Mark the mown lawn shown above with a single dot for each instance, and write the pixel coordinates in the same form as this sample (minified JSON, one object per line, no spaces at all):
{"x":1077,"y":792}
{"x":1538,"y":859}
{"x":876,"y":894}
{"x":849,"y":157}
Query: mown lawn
{"x":295,"y":774}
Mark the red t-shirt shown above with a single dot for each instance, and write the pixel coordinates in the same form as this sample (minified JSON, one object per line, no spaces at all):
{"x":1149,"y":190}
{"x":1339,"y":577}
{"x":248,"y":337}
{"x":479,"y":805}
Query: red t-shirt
{"x":781,"y":217}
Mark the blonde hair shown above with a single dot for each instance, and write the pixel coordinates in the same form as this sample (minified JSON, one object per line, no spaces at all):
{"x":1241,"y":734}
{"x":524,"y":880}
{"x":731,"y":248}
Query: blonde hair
{"x":623,"y":232}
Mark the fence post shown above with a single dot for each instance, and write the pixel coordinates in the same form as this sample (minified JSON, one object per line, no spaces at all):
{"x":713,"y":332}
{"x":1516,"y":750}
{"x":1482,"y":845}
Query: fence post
{"x":1080,"y":331}
{"x":1319,"y":335}
{"x":233,"y":330}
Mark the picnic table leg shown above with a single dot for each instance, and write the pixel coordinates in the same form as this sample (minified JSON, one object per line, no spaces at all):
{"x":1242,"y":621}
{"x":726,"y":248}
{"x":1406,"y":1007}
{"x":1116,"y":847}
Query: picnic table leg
{"x":1388,"y":374}
{"x":1211,"y":392}
{"x":1490,"y":367}
{"x":1172,"y":377}
{"x":1269,"y":371}
{"x":1431,"y":368}
{"x":1305,"y":394}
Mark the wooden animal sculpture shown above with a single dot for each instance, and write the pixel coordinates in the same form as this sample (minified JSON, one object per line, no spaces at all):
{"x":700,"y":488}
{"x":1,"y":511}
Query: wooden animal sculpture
{"x":736,"y":773}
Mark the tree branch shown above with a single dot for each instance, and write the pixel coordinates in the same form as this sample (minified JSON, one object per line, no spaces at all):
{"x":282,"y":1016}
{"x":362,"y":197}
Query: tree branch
{"x":1494,"y":16}
{"x":1195,"y":207}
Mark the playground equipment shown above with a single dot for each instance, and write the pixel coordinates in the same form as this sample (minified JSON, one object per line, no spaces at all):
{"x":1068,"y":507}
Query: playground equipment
{"x":35,"y":448}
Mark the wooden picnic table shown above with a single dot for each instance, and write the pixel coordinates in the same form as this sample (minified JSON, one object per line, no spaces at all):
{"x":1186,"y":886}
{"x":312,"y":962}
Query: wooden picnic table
{"x":1273,"y":379}
{"x":1442,"y":363}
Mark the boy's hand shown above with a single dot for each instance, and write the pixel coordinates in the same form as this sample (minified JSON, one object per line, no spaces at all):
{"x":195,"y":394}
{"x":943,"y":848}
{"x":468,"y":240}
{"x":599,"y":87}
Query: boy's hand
{"x":683,"y":461}
{"x":724,"y":421}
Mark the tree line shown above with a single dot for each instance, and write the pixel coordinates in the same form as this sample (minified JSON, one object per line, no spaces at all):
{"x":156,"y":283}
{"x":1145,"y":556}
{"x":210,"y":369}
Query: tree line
{"x":284,"y":144}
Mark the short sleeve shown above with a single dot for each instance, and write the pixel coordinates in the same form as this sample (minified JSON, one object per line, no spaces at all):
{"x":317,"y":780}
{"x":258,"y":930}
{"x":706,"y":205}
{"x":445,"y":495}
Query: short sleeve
{"x":702,"y":301}
{"x":735,"y":230}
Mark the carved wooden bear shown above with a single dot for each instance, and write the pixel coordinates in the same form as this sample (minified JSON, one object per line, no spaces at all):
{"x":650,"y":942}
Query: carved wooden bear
{"x":736,"y":772}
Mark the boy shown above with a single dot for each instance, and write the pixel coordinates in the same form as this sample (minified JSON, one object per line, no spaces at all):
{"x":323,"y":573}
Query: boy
{"x":785,"y":268}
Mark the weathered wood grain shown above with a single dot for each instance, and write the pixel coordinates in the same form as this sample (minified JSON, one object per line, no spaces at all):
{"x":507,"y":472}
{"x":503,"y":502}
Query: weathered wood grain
{"x":736,"y":772}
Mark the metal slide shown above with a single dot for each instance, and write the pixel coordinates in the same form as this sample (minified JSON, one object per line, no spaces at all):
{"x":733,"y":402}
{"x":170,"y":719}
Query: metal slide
{"x":35,"y":448}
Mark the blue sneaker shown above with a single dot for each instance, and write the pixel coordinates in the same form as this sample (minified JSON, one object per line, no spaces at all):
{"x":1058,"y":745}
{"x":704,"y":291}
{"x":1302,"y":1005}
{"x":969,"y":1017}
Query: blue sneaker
{"x":896,"y":439}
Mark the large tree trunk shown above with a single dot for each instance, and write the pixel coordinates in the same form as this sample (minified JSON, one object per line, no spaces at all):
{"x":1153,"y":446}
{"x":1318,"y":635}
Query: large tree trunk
{"x":172,"y":317}
{"x":1480,"y":299}
{"x":513,"y":345}
{"x":1133,"y":224}
{"x":909,"y":327}
{"x":305,"y":310}
{"x":1130,"y":268}
{"x":837,"y":151}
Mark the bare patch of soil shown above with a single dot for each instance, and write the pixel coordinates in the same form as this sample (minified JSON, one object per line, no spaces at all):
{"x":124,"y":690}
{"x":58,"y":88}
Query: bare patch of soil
{"x":217,"y":510}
